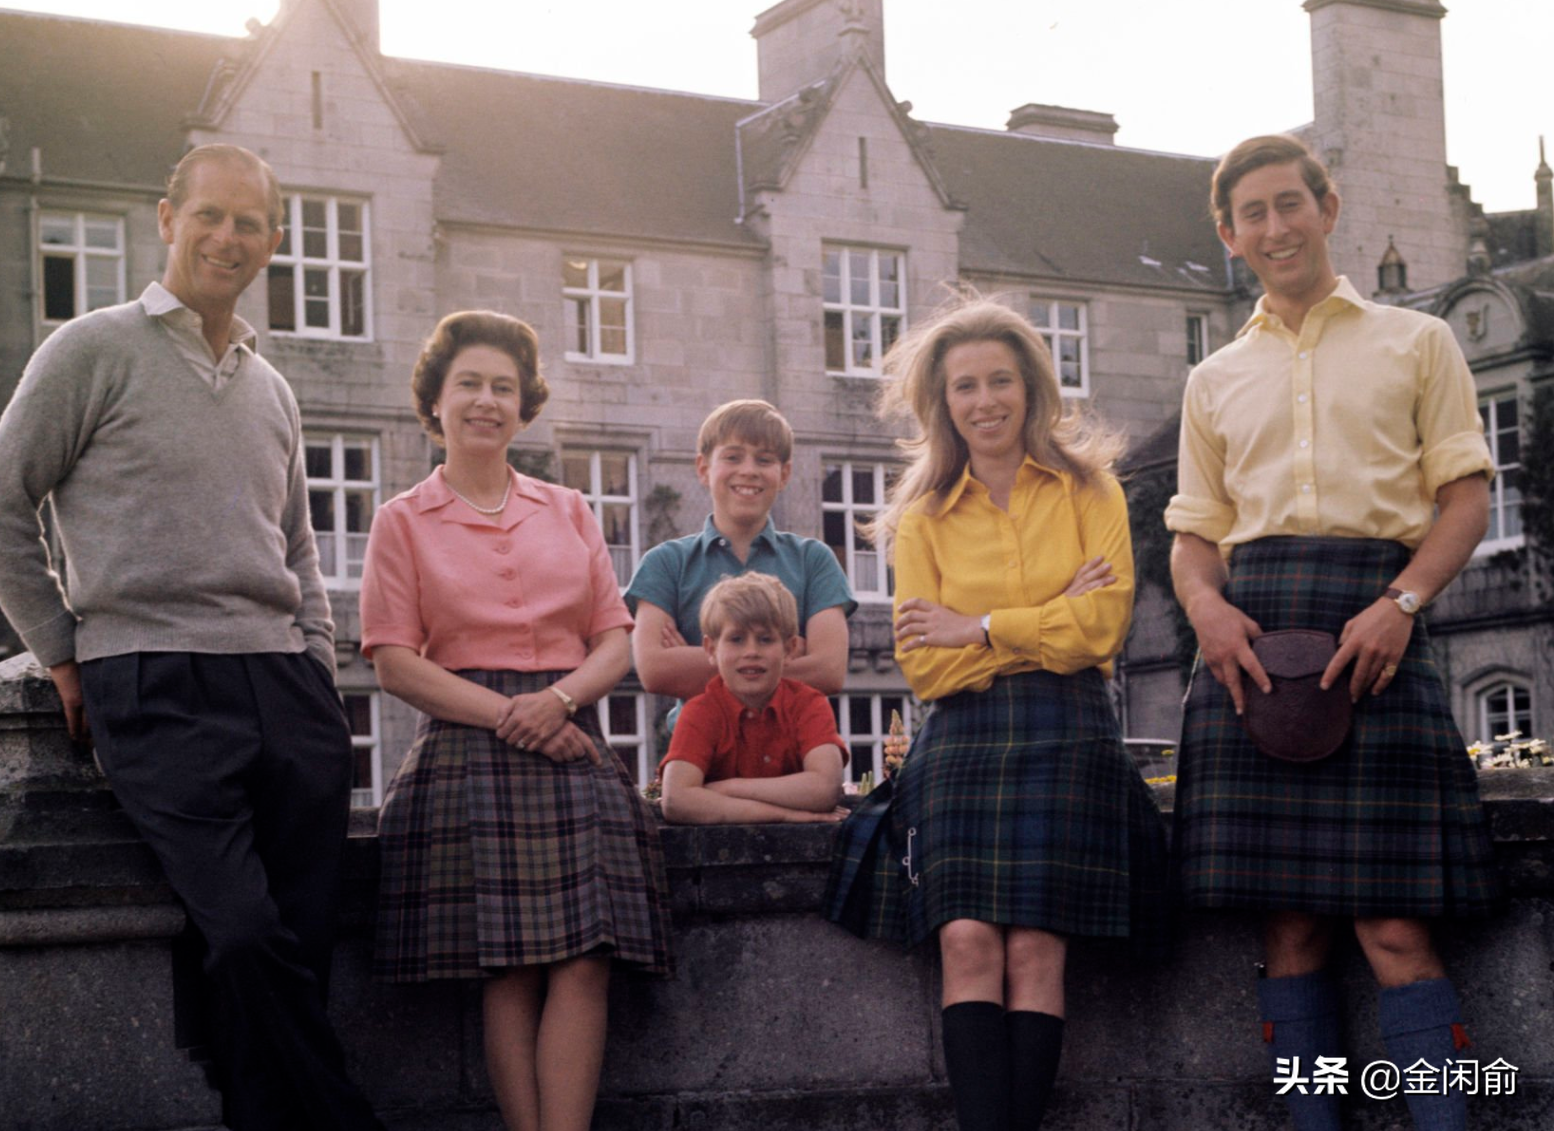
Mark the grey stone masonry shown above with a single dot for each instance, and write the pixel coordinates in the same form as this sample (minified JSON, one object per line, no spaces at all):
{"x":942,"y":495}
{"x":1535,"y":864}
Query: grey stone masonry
{"x":776,"y":1019}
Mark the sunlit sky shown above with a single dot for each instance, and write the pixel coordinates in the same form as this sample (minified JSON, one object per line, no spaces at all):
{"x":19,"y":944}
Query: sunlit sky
{"x":1183,"y":76}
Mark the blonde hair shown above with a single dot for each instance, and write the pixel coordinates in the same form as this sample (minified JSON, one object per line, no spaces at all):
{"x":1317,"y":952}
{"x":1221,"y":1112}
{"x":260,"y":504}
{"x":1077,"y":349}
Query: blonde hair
{"x":749,"y":601}
{"x":753,"y":421}
{"x":1067,"y":439}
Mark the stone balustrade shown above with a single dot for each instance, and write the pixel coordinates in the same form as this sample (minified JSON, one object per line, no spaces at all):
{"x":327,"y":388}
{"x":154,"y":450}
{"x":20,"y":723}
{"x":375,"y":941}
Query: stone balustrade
{"x":777,"y":1020}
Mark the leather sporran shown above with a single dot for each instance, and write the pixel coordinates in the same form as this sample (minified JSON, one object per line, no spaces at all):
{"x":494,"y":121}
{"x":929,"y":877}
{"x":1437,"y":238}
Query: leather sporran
{"x":1297,"y":721}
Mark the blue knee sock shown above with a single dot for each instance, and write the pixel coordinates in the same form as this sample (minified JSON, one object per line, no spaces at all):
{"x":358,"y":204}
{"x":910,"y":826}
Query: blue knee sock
{"x":1300,"y":1019}
{"x":1423,"y":1021}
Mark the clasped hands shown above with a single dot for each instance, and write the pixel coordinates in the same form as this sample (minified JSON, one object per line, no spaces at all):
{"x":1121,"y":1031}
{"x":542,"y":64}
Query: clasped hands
{"x":538,"y":721}
{"x":1374,"y":641}
{"x":922,"y":624}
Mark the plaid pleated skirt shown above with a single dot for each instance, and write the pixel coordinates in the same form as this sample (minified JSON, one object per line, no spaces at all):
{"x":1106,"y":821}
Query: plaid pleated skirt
{"x":1016,"y":805}
{"x":494,"y":856}
{"x":1390,"y":825}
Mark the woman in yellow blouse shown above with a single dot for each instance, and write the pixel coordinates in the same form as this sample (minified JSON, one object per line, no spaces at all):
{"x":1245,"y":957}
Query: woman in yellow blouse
{"x":1018,"y":819}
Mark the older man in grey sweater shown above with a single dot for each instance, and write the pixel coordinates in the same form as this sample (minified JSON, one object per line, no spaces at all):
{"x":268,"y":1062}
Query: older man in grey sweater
{"x":192,"y":636}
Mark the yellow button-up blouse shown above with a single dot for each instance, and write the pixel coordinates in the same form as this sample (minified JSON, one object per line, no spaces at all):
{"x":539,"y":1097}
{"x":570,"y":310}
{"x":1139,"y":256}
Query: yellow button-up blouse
{"x":1346,"y":429}
{"x":974,"y":558}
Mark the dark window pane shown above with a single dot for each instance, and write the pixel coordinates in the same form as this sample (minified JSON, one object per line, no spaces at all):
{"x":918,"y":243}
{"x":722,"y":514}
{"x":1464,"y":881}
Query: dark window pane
{"x":59,"y":288}
{"x":320,"y":461}
{"x":623,"y":716}
{"x":358,"y":511}
{"x":836,"y":348}
{"x":353,"y":304}
{"x":358,"y":714}
{"x":283,"y":298}
{"x":859,"y":715}
{"x":322,"y":506}
{"x":863,"y":485}
{"x":831,"y":485}
{"x":834,"y":524}
{"x":358,"y":462}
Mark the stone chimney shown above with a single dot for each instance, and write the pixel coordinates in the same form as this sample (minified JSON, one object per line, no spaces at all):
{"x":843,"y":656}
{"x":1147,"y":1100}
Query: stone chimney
{"x":1380,"y":124}
{"x":1062,"y":122}
{"x":799,"y":42}
{"x":1545,"y":222}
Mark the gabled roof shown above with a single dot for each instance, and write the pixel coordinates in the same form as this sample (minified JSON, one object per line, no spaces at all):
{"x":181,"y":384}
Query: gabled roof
{"x":1080,"y":211}
{"x":559,"y":154}
{"x":108,"y":103}
{"x":104,"y":102}
{"x":773,"y":141}
{"x":228,"y":84}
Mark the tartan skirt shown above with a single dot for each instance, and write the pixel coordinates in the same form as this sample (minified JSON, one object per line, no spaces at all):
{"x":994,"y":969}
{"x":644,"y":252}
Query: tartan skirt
{"x":494,"y":856}
{"x":1016,"y":805}
{"x":1390,"y":825}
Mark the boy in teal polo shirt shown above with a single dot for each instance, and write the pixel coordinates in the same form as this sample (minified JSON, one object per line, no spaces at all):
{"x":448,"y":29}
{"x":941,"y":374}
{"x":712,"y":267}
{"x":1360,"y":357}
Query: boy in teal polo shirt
{"x":744,"y":457}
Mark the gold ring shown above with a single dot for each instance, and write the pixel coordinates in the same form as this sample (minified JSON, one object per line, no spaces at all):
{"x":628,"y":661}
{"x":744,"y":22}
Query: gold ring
{"x":1390,"y":670}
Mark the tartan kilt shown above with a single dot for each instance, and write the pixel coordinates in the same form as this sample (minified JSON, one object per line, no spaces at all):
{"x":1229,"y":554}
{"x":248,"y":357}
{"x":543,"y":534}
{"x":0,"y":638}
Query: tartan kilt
{"x":1016,"y":805}
{"x":1390,"y":825}
{"x":494,"y":856}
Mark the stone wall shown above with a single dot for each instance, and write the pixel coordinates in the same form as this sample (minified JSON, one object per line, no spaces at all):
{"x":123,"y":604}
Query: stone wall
{"x":776,"y":1020}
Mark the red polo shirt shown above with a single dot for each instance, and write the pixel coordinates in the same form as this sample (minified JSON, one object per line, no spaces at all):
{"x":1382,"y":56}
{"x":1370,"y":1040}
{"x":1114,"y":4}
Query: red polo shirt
{"x":725,"y":739}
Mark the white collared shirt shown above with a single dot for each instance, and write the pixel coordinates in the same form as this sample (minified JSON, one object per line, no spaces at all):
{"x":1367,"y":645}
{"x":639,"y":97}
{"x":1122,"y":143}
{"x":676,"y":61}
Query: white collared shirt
{"x":187,"y":330}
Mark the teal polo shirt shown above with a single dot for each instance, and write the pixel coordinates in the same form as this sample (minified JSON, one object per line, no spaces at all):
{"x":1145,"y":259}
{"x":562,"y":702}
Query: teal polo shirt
{"x":676,"y":575}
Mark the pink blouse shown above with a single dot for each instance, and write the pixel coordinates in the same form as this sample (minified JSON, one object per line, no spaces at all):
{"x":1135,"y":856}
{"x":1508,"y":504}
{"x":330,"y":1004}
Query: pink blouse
{"x":523,"y":590}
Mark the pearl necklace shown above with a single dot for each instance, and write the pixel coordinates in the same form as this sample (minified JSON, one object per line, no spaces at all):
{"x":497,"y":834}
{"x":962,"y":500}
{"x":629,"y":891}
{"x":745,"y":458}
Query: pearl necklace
{"x":498,"y":509}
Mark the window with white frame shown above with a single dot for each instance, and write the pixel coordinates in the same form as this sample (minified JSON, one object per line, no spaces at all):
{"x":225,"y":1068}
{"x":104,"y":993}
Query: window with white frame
{"x":623,"y":718}
{"x":608,"y":480}
{"x":850,"y":494}
{"x":82,"y":264}
{"x":1062,"y":323}
{"x":320,"y":273}
{"x":863,"y":721}
{"x":342,"y":496}
{"x":1504,"y":707}
{"x":597,"y":293}
{"x":1503,"y":431}
{"x":864,"y":293}
{"x":1197,"y":338}
{"x":361,"y":714}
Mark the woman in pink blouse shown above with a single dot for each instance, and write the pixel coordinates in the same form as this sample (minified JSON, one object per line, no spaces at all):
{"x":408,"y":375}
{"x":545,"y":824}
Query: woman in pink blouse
{"x":514,"y":846}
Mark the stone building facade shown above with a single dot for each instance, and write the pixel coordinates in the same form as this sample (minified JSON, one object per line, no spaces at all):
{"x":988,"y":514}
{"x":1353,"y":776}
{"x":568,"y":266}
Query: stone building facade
{"x":674,"y":251}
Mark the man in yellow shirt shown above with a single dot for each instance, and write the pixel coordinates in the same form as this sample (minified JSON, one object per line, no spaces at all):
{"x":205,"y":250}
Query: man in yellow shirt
{"x":1333,"y":454}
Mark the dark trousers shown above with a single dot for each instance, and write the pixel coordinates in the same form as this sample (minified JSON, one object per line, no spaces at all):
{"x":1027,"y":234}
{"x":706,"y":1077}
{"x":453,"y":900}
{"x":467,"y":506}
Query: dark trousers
{"x":236,"y":769}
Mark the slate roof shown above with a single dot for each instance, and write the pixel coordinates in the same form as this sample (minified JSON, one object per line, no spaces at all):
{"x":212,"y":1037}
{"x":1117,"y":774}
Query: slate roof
{"x":536,"y":152}
{"x":1081,"y":212}
{"x":106,"y":103}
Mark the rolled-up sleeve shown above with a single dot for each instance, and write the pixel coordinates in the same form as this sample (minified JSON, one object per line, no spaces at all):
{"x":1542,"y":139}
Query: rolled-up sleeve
{"x":1451,"y":433}
{"x":1201,"y":505}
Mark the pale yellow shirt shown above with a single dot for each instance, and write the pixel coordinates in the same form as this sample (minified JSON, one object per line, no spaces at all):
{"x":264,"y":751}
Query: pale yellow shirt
{"x":1347,"y":429}
{"x":186,"y":329}
{"x":975,"y":558}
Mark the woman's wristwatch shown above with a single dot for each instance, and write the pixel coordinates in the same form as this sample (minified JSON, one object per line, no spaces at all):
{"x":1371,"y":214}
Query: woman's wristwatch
{"x":566,"y":700}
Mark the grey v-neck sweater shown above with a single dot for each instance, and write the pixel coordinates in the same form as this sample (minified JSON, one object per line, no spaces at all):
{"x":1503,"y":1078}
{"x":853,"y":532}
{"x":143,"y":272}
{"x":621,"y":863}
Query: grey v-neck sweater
{"x":183,"y":512}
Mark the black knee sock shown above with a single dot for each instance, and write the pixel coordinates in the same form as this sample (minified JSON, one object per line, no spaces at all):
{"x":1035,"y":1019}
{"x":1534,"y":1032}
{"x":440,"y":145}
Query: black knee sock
{"x":976,"y":1053}
{"x":1035,"y":1044}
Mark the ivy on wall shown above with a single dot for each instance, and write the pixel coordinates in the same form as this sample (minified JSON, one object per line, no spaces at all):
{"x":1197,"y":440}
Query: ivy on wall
{"x":1148,"y":492}
{"x":1538,"y":490}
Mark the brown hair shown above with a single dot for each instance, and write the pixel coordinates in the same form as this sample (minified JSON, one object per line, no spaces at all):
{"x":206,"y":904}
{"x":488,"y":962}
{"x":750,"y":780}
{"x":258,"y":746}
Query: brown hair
{"x":178,"y":182}
{"x":467,"y":328}
{"x":1256,"y":152}
{"x":749,"y":601}
{"x":754,"y":421}
{"x":1066,"y":438}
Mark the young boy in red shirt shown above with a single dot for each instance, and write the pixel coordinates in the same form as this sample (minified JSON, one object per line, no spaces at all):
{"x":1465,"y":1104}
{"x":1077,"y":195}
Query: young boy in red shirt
{"x":754,"y":747}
